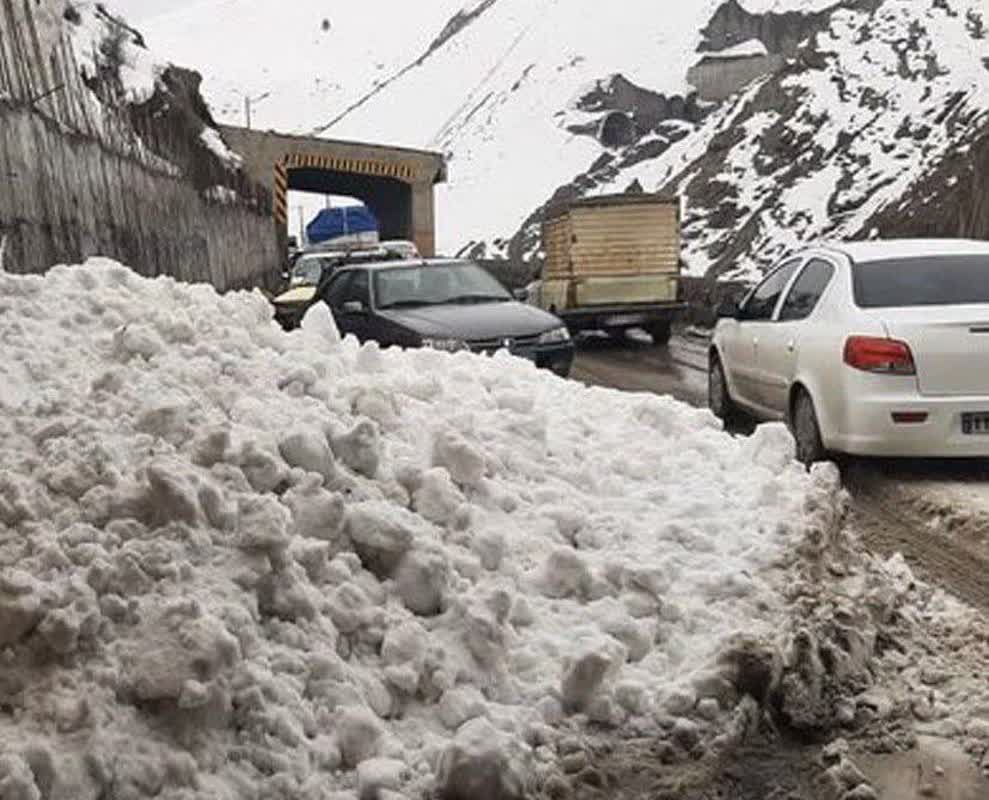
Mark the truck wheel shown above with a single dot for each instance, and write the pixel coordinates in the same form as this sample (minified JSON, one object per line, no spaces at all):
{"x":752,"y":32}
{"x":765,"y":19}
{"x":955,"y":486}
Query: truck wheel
{"x":660,"y":333}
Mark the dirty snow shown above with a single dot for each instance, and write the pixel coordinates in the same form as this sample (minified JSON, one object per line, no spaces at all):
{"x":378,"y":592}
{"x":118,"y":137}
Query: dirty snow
{"x":236,"y":562}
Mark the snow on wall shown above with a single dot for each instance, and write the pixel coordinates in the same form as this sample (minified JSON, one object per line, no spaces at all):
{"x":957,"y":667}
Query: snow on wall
{"x":232,"y":557}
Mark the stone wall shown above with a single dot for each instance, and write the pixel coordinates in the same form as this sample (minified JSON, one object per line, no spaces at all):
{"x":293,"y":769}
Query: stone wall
{"x":77,"y":178}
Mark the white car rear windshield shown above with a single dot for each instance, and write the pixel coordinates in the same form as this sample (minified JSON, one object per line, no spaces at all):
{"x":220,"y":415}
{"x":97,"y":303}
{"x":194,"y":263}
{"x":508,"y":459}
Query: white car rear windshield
{"x":922,"y":281}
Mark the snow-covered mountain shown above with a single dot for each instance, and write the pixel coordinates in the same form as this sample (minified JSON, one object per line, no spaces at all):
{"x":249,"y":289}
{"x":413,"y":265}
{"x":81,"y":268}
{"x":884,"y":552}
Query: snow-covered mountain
{"x":777,"y":120}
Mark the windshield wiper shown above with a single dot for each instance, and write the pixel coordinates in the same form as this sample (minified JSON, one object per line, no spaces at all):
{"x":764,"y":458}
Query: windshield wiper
{"x":405,"y":304}
{"x":479,"y":298}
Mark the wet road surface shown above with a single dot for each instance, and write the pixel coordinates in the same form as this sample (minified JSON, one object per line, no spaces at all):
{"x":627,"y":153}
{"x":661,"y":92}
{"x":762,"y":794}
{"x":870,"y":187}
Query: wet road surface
{"x":635,"y":364}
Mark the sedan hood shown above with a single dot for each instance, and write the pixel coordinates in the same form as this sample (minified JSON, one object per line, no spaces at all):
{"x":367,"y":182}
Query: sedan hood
{"x":476,"y":321}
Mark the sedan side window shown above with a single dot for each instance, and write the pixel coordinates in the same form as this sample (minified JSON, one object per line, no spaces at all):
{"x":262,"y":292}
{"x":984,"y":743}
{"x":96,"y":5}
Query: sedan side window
{"x":359,"y":289}
{"x":335,"y":295}
{"x":762,"y":302}
{"x":807,"y":290}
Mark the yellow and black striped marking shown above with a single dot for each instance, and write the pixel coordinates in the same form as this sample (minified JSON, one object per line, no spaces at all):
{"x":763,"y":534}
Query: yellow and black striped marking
{"x":360,"y":166}
{"x":281,"y":194}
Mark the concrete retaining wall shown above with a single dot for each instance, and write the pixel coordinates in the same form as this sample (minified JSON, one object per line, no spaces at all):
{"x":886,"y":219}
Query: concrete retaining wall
{"x":76,"y":179}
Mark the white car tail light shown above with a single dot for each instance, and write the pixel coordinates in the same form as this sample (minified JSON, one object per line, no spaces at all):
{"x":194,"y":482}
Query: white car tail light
{"x":884,"y":356}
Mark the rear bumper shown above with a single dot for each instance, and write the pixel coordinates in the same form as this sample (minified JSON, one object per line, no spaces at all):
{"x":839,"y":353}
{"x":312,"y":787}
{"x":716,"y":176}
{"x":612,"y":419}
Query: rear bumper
{"x":624,"y":316}
{"x":869,"y":429}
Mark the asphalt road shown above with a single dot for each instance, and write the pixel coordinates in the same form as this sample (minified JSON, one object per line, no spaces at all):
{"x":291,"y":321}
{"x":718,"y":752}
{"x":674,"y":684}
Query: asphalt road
{"x":637,"y":365}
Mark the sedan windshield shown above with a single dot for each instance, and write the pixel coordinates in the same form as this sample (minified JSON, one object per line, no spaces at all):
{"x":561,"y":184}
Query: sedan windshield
{"x":433,"y":285}
{"x":922,"y":281}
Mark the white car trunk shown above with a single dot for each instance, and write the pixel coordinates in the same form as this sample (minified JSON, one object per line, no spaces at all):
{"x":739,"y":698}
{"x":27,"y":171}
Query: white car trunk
{"x":950,"y":346}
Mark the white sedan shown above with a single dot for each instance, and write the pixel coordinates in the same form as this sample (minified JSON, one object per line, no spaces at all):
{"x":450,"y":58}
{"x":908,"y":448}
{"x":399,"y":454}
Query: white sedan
{"x":873,"y":348}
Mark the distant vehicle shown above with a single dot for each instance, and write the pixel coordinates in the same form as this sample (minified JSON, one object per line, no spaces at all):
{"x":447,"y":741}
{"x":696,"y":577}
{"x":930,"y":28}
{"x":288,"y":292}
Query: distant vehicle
{"x":317,"y":264}
{"x":877,"y":349}
{"x":445,"y":304}
{"x":613,"y":263}
{"x":354,"y":225}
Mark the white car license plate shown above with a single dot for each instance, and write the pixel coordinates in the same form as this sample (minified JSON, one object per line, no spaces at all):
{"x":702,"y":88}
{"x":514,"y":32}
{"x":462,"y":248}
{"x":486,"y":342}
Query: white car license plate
{"x":976,"y":424}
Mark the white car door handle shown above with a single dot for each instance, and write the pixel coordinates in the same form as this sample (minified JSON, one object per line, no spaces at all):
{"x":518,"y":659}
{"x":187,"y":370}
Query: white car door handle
{"x":791,"y":345}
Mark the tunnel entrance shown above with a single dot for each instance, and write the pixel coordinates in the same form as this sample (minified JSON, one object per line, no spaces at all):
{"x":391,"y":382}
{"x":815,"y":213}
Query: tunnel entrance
{"x":389,"y":199}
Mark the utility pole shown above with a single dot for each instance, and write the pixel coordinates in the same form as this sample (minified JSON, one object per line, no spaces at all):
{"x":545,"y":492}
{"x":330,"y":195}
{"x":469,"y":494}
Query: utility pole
{"x":248,"y":102}
{"x":302,"y":226}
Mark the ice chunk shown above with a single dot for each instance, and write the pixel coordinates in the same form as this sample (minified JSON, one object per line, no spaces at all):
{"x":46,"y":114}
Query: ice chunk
{"x":464,"y":462}
{"x":381,"y":534}
{"x":565,"y":575}
{"x":20,"y":606}
{"x":17,"y":779}
{"x":479,"y":765}
{"x":308,"y":449}
{"x":316,"y":513}
{"x":489,"y":545}
{"x":437,"y":499}
{"x":460,"y":705}
{"x":377,"y":775}
{"x":583,"y":676}
{"x":319,"y":326}
{"x":359,"y":448}
{"x":421,"y":582}
{"x":359,"y":735}
{"x":404,"y":653}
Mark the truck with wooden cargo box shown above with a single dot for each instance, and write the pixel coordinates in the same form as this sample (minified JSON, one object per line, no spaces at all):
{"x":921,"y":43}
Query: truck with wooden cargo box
{"x":613,"y":263}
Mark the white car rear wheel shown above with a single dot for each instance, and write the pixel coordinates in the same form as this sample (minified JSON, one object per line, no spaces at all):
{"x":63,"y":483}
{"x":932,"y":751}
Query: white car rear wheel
{"x":806,"y":430}
{"x":718,"y":397}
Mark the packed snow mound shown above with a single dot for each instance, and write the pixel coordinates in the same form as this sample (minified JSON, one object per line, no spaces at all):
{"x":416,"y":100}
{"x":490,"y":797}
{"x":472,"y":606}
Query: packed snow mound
{"x":236,"y":562}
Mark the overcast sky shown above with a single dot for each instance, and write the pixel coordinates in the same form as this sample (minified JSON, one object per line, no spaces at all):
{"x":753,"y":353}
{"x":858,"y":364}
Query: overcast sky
{"x":136,"y":11}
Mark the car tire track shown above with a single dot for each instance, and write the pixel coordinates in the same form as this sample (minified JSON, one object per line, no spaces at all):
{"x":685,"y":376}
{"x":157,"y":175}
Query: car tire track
{"x":888,"y":527}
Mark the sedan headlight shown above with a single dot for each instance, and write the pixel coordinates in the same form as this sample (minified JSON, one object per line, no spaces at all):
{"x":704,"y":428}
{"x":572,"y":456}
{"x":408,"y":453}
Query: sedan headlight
{"x":555,"y":336}
{"x":446,"y":345}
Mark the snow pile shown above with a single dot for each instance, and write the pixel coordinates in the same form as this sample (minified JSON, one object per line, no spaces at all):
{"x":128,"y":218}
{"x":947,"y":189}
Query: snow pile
{"x":236,"y":562}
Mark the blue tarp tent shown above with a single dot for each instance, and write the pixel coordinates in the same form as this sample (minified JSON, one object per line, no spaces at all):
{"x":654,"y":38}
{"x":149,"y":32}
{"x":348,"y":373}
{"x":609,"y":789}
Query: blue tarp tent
{"x":331,"y":223}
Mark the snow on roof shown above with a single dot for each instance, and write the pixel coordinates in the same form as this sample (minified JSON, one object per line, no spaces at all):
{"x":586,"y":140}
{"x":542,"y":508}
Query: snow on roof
{"x":909,"y":248}
{"x":268,"y":559}
{"x":746,"y":49}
